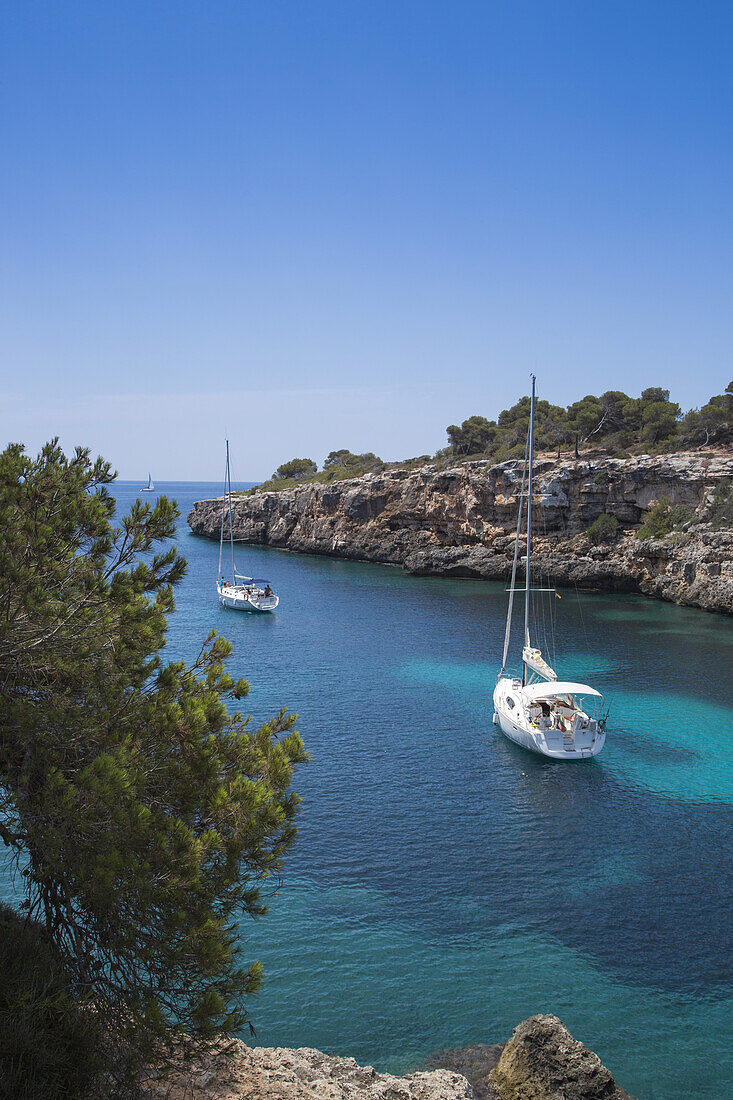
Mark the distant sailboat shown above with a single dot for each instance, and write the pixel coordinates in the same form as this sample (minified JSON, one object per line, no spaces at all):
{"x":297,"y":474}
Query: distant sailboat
{"x":242,"y":593}
{"x":149,"y":488}
{"x":540,"y":712}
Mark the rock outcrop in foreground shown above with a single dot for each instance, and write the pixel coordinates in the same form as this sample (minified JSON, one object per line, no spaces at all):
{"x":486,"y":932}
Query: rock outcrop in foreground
{"x":276,"y":1073}
{"x":460,"y":522}
{"x":541,"y":1061}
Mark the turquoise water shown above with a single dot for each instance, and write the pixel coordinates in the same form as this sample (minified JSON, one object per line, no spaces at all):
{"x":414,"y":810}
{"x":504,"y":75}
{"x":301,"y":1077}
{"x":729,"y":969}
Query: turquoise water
{"x":445,"y":883}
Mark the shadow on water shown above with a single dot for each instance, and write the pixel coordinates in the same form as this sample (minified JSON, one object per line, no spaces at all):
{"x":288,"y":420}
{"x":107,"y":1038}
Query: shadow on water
{"x":659,"y":916}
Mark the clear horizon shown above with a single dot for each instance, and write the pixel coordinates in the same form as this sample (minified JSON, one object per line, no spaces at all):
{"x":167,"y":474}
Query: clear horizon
{"x":318,"y":226}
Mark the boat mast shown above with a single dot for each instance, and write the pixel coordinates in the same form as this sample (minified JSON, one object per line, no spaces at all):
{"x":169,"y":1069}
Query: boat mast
{"x":231,"y":529}
{"x":221,"y":532}
{"x":529,"y":526}
{"x":512,"y":586}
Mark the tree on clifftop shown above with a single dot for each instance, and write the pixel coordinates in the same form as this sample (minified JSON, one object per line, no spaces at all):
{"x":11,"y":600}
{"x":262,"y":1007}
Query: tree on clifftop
{"x":297,"y":468}
{"x":344,"y":459}
{"x":142,"y":811}
{"x":614,"y":421}
{"x":471,"y":437}
{"x":713,"y":422}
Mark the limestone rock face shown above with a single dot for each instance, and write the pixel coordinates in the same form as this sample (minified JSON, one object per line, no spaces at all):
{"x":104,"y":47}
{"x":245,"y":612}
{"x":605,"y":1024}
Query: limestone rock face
{"x":542,"y":1061}
{"x":459,"y":522}
{"x":274,"y":1073}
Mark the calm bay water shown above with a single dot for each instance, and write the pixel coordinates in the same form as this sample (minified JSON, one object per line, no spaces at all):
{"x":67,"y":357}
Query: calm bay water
{"x":446,"y":884}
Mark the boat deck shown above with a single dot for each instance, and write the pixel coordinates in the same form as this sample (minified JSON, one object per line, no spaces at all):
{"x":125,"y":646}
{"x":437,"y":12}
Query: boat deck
{"x":558,"y":728}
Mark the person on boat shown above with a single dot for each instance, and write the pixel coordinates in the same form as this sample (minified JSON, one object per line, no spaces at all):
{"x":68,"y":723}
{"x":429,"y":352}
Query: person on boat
{"x":268,"y":590}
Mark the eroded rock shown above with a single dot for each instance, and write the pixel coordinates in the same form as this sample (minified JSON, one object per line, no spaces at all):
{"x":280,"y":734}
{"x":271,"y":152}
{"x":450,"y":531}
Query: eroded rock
{"x":542,"y":1061}
{"x":276,"y":1073}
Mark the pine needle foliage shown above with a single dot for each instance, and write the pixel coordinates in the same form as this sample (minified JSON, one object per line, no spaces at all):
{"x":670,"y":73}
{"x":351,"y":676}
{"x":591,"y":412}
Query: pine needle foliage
{"x":143,"y":812}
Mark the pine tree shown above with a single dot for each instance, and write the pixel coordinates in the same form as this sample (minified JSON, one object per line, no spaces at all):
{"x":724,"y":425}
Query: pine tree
{"x":144,"y":813}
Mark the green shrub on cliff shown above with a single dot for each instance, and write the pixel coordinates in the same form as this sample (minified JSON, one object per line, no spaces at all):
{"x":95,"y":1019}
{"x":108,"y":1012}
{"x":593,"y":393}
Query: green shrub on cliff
{"x":721,"y":508}
{"x":656,"y":523}
{"x":603,"y":529}
{"x":144,"y":813}
{"x":663,"y":518}
{"x":339,"y":466}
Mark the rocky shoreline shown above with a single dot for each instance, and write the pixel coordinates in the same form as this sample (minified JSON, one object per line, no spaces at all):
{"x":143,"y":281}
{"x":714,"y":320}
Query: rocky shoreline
{"x":541,"y":1061}
{"x":459,"y":522}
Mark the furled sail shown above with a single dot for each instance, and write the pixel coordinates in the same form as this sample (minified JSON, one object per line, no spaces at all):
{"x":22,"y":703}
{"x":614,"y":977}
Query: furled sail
{"x":533,"y":659}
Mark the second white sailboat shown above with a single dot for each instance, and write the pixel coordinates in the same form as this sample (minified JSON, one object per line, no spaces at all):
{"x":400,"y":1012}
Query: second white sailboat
{"x":241,"y":593}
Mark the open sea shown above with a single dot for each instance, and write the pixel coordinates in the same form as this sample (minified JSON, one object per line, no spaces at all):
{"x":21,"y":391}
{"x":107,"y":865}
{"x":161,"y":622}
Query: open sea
{"x":446,"y":884}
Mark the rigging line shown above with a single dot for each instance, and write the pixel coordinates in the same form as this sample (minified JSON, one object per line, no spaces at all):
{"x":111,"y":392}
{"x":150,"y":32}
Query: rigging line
{"x":543,"y":604}
{"x":530,"y":464}
{"x":514,"y":564}
{"x":548,"y":596}
{"x":543,"y":597}
{"x":554,"y":623}
{"x":540,"y":597}
{"x":553,"y":617}
{"x":549,"y":638}
{"x":231,"y":525}
{"x":221,"y":533}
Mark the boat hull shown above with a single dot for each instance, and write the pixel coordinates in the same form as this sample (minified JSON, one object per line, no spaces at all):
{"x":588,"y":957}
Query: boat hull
{"x":257,"y":605}
{"x":550,"y":744}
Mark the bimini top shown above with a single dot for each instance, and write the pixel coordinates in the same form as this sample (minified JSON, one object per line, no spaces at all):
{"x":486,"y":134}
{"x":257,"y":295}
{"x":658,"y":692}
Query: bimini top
{"x":558,"y":687}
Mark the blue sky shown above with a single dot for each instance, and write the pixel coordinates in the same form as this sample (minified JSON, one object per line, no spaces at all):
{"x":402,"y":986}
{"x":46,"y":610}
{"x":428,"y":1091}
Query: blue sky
{"x":312,"y":225}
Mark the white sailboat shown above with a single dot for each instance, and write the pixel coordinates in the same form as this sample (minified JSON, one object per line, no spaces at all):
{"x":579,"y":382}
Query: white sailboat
{"x":149,"y":488}
{"x":538,"y":711}
{"x":242,"y":593}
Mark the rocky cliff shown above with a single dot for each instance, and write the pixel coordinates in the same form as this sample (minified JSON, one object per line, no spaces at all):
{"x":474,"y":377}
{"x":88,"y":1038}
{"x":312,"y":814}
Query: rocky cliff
{"x":460,"y":522}
{"x":541,"y":1061}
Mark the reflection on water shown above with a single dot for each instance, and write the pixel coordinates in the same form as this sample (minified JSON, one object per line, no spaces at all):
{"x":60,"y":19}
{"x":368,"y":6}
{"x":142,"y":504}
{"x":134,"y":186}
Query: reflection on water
{"x":445,"y":883}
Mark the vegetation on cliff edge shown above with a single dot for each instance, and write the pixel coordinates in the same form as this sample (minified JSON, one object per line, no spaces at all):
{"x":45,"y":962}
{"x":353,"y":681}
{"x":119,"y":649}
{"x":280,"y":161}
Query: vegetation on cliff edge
{"x":619,"y":424}
{"x":338,"y":466}
{"x":615,"y":423}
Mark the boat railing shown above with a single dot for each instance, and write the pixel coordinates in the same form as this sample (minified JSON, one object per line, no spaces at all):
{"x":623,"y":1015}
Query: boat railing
{"x":268,"y":601}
